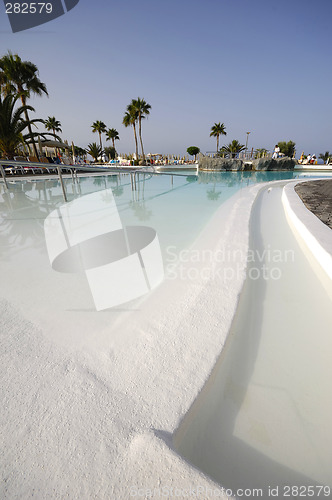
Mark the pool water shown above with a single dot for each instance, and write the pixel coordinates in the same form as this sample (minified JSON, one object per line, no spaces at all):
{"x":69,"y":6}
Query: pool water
{"x":177,"y":207}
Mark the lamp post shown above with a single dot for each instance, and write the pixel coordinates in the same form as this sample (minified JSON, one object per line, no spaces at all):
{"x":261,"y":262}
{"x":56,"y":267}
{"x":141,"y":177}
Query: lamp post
{"x":247,"y":142}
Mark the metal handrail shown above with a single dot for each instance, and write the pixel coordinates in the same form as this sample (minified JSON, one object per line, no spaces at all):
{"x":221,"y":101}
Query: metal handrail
{"x":134,"y":172}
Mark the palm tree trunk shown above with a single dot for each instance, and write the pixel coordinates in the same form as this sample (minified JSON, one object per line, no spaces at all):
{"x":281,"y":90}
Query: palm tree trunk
{"x":101,"y":146}
{"x":56,"y":149}
{"x":21,"y":92}
{"x":217,"y":143}
{"x":136,"y":144}
{"x":29,"y":127}
{"x":140,"y":137}
{"x":113,"y":142}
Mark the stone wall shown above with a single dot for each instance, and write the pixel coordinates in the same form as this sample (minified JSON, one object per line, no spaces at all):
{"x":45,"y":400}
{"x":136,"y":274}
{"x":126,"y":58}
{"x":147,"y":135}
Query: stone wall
{"x":278,"y":164}
{"x":234,"y":165}
{"x":220,"y":164}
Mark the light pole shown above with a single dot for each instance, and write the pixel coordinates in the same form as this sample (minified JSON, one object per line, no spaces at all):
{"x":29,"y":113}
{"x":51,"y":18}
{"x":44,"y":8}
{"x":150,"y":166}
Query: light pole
{"x":247,"y":142}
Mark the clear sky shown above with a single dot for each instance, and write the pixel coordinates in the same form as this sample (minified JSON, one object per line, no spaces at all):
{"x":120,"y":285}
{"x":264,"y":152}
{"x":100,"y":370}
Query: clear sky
{"x":256,"y":65}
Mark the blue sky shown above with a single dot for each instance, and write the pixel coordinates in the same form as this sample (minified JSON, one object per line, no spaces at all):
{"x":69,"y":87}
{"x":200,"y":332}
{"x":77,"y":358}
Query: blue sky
{"x":258,"y":66}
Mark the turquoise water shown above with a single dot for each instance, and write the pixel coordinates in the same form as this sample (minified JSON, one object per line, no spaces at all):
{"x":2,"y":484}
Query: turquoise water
{"x":178,"y":207}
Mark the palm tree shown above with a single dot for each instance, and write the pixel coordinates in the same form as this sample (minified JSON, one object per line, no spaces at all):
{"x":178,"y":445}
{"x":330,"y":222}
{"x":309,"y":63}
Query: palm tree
{"x":113,"y":135}
{"x":99,"y":127}
{"x":143,"y":109}
{"x":94,"y":150}
{"x":261,"y":152}
{"x":232,"y":148}
{"x":21,"y":77}
{"x":79,"y":151}
{"x":110,"y":152}
{"x":12,"y":125}
{"x":287,"y":148}
{"x":130,"y":119}
{"x":52,"y":124}
{"x":216,"y":130}
{"x":325,"y":156}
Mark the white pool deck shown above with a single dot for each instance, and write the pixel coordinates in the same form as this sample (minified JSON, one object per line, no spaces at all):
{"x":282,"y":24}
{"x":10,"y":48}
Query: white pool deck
{"x":89,"y":411}
{"x":263,"y":418}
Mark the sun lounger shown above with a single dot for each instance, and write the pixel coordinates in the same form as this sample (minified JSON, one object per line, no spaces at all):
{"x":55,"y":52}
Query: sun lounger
{"x":50,"y":166}
{"x":18,"y":166}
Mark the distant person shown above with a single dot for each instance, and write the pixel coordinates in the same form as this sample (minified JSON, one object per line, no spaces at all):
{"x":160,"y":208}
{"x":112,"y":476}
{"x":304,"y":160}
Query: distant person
{"x":276,"y":152}
{"x":313,"y":159}
{"x":308,"y":159}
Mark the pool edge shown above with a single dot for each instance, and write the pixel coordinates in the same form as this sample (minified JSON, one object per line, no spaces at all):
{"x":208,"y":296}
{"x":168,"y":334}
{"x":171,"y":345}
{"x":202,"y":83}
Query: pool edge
{"x":313,"y":232}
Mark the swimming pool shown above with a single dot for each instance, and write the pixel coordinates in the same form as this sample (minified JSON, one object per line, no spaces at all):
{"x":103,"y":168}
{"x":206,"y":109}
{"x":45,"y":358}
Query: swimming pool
{"x":176,"y":207}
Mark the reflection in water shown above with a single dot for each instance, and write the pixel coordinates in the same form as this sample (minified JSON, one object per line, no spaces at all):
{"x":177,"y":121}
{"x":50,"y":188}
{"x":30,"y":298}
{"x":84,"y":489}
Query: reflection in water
{"x":16,"y":232}
{"x":191,"y":178}
{"x":141,"y":210}
{"x":243,"y":177}
{"x":118,"y":190}
{"x":158,"y":198}
{"x":212,"y":194}
{"x":100,"y":181}
{"x":171,"y":203}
